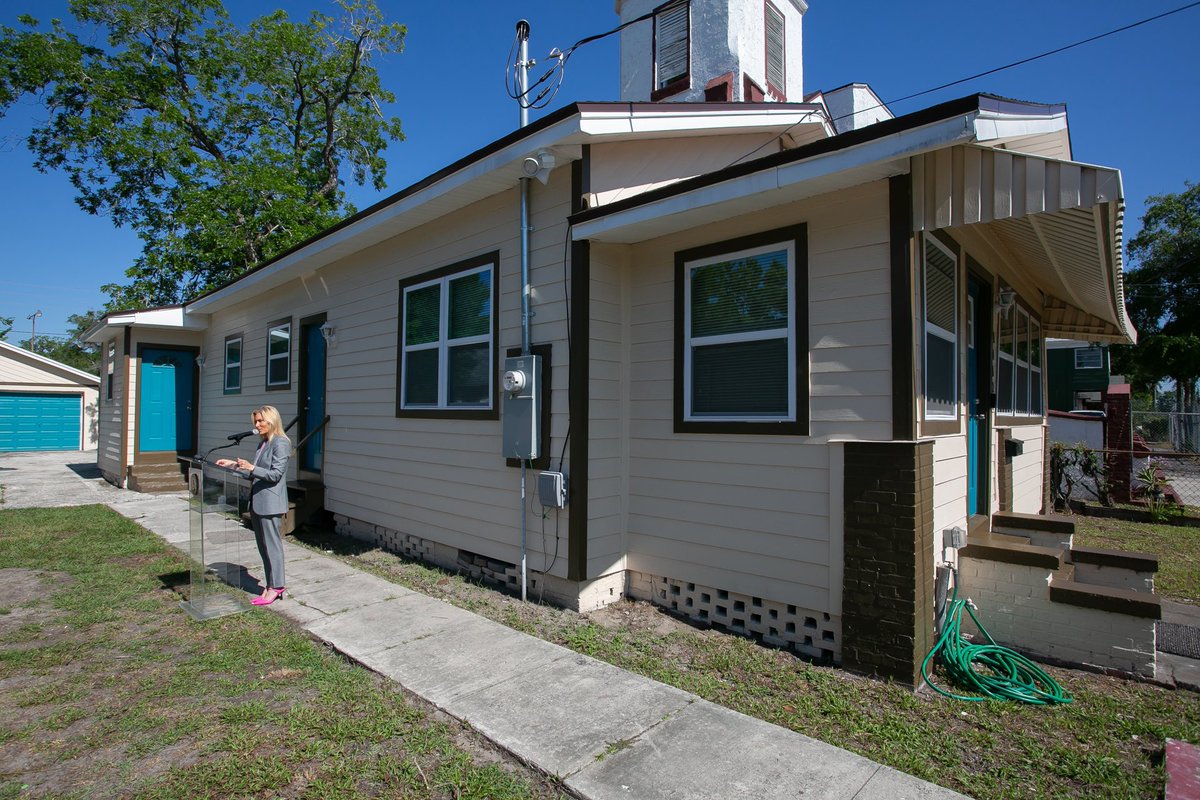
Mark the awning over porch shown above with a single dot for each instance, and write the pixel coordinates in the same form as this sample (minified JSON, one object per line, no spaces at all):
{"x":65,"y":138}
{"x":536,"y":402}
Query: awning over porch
{"x":1057,"y":222}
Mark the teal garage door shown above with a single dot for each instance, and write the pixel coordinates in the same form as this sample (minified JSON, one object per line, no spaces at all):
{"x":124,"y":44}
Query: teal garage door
{"x":33,"y":421}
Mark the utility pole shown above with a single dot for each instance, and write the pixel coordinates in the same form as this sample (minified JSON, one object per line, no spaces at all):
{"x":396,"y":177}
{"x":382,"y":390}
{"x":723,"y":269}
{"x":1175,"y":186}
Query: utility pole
{"x":33,"y":330}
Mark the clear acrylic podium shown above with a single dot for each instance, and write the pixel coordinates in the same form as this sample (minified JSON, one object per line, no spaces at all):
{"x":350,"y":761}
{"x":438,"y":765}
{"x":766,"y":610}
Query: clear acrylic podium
{"x":218,"y":543}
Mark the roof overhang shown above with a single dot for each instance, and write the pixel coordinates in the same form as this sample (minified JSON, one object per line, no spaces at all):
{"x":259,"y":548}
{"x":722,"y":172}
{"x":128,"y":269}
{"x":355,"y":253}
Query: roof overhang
{"x":166,"y":318}
{"x":1060,"y":220}
{"x":498,"y":167}
{"x":1057,"y":223}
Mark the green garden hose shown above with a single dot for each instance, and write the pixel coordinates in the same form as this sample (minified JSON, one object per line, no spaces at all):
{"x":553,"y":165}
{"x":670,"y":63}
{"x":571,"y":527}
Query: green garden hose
{"x":990,"y":670}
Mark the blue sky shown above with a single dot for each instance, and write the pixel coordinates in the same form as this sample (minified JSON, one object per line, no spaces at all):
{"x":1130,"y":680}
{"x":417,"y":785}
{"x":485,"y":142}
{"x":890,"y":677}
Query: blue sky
{"x":1131,"y":100}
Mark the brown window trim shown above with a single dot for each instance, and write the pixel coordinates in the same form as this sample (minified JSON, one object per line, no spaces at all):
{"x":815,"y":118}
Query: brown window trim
{"x":277,"y":387}
{"x":240,"y":336}
{"x":941,"y":427}
{"x":492,"y":411}
{"x":800,"y":426}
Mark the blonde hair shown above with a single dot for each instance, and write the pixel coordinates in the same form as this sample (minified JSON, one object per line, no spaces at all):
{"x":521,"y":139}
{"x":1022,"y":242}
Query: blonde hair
{"x":270,"y":415}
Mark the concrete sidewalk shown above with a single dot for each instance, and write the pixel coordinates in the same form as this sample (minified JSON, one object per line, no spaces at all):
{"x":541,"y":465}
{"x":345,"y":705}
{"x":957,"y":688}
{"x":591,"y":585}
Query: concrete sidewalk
{"x":604,"y":732}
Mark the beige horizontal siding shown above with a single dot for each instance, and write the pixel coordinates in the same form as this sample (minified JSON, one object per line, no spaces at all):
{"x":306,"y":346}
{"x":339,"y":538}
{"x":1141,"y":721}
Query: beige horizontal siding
{"x":752,"y":514}
{"x":441,"y":479}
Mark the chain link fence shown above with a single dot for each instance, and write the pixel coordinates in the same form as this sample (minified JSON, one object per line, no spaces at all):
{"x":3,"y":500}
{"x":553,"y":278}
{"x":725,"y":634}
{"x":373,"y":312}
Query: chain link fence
{"x":1169,"y":431}
{"x":1153,"y":476}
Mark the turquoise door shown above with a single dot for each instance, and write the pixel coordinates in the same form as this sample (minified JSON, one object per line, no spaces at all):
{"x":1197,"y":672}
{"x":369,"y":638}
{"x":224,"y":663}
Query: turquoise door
{"x":978,"y":381}
{"x":165,"y":404}
{"x":38,"y":421}
{"x":312,"y":392}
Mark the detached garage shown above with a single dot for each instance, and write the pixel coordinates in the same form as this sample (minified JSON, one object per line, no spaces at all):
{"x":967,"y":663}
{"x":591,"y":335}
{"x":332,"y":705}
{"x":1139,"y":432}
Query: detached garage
{"x":45,"y":405}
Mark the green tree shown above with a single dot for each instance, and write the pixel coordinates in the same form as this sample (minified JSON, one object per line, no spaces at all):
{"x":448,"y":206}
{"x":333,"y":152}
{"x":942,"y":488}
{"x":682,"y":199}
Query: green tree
{"x":70,"y":349}
{"x":6,"y":324}
{"x":220,"y":147}
{"x":1163,"y":296}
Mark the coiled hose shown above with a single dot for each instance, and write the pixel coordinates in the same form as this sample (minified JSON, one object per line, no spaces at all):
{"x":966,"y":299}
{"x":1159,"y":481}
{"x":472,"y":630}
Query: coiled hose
{"x":990,"y":670}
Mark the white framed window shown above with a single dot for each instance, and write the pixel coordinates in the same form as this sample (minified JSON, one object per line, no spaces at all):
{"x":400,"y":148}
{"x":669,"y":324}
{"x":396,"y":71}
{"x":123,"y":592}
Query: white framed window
{"x":941,"y":331}
{"x":448,"y":340}
{"x":233,"y":364}
{"x":1035,"y":368}
{"x":775,"y":50}
{"x":1089,"y":358}
{"x":1019,"y":371}
{"x":671,"y":57}
{"x":742,"y":348}
{"x":279,"y":354}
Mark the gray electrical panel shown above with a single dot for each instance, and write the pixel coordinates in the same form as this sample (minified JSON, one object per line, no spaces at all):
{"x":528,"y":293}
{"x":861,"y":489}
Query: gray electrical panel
{"x":552,"y":489}
{"x":520,"y":387}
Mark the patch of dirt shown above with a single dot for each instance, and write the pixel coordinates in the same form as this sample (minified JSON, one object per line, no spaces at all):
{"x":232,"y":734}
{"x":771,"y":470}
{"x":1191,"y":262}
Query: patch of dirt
{"x":638,"y":617}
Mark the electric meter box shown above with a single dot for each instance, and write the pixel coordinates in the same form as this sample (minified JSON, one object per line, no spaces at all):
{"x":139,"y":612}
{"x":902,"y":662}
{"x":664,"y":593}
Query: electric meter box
{"x":520,"y":388}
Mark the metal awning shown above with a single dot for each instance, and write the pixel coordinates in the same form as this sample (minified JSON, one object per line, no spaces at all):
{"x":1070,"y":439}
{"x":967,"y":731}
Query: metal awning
{"x":1058,"y":222}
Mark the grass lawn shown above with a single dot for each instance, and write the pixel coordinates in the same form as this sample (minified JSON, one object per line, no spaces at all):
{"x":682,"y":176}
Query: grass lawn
{"x":1108,"y":743}
{"x":110,"y":689}
{"x":1177,"y":547}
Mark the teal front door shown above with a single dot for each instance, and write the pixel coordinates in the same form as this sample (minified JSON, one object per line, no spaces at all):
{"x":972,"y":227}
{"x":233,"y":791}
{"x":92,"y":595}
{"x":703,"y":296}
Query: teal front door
{"x":312,"y":392}
{"x":166,"y":402}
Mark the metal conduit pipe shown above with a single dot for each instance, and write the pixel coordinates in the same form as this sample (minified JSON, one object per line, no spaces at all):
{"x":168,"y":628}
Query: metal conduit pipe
{"x":523,"y":83}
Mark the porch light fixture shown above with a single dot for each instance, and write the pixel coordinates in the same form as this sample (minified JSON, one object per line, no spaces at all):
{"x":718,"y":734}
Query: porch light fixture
{"x":329,"y":331}
{"x":200,"y":361}
{"x":1005,"y":300}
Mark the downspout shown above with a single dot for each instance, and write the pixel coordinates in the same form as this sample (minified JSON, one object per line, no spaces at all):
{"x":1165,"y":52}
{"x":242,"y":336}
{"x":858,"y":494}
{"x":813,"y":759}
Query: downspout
{"x":523,"y":183}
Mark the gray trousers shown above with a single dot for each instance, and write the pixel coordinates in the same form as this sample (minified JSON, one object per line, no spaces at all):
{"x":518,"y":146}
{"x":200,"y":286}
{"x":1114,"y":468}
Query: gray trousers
{"x":270,"y":547}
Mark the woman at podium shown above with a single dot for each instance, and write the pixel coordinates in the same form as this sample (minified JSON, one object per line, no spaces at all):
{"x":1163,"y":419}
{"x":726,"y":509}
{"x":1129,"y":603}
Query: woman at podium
{"x":268,"y":496}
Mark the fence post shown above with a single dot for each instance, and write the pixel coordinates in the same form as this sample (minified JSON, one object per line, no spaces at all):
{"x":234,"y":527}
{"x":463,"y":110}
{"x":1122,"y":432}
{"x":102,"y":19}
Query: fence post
{"x":1118,"y":440}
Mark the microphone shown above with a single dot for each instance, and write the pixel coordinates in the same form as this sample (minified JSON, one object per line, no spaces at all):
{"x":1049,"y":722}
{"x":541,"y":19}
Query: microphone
{"x":237,"y":437}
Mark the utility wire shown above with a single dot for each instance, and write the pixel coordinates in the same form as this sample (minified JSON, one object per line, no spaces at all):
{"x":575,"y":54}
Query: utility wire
{"x":994,"y":70}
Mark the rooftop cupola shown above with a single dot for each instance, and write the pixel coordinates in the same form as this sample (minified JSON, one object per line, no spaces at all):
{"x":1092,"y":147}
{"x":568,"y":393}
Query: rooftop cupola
{"x":696,"y":50}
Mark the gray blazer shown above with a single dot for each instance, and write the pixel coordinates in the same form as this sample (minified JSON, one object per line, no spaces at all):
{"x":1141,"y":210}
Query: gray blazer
{"x":268,"y":478}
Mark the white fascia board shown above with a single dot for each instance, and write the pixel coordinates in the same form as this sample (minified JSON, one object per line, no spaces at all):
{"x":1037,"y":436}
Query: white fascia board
{"x":171,"y":318}
{"x":21,"y":352}
{"x":599,"y":125}
{"x":991,"y":124}
{"x":895,"y":148}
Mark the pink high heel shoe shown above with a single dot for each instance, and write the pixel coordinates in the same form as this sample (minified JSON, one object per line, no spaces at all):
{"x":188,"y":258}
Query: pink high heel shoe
{"x":268,"y":597}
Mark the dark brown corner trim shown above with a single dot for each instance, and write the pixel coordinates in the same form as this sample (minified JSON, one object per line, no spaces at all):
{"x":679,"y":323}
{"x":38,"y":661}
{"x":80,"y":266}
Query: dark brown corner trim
{"x":904,"y":397}
{"x":578,"y":374}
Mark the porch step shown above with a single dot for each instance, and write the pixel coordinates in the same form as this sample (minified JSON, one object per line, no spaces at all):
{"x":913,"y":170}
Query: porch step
{"x":1106,"y":598}
{"x":1044,"y":530}
{"x":1009,"y":550}
{"x":308,"y":500}
{"x":157,"y":478}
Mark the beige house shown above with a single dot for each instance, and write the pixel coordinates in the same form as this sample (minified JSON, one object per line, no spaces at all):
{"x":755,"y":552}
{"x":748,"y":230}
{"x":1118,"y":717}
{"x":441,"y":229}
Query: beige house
{"x":45,"y":404}
{"x":777,"y":356}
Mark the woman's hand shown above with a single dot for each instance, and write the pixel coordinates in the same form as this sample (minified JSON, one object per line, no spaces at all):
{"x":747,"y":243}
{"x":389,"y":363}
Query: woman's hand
{"x":227,"y":463}
{"x":244,"y":465}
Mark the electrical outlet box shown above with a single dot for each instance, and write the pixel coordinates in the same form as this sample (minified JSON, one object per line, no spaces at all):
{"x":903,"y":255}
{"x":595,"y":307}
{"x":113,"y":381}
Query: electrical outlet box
{"x":954,"y":537}
{"x":520,"y":387}
{"x":552,"y":489}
